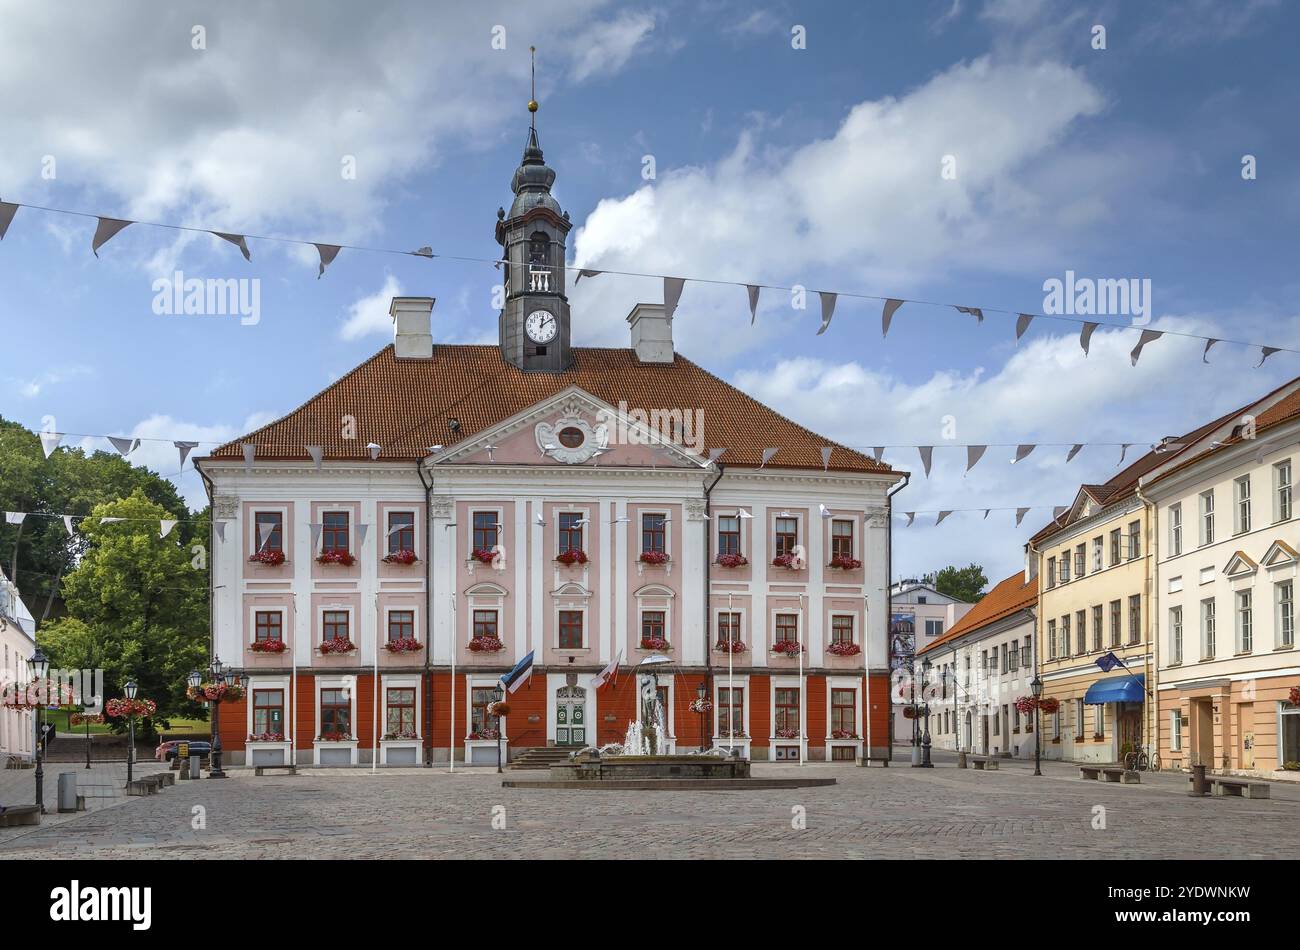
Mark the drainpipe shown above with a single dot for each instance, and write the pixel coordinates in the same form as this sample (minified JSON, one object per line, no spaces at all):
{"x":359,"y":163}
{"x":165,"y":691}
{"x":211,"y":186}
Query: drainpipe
{"x":428,"y":617}
{"x":1153,"y":598}
{"x":212,"y":567}
{"x":889,"y":613}
{"x":708,"y":589}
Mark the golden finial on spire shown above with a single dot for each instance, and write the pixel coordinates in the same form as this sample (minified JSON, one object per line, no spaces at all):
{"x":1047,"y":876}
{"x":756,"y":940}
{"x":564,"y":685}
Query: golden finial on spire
{"x":532,"y":102}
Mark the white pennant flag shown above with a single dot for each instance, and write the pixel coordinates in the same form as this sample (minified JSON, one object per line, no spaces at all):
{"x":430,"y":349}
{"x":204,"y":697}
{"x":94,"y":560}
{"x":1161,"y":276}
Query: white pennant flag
{"x":1074,"y":451}
{"x":50,"y":441}
{"x":110,"y":520}
{"x":373,"y":449}
{"x":672,"y":294}
{"x":1123,"y":451}
{"x":184,"y":448}
{"x":942,"y":515}
{"x":767,"y":456}
{"x":973,"y":454}
{"x":361,"y":535}
{"x":1146,"y":337}
{"x":878,"y":451}
{"x":1022,"y":451}
{"x":104,"y":232}
{"x":1205,"y":355}
{"x":67,"y":524}
{"x":1022,"y":324}
{"x":911,"y":516}
{"x":927,"y":453}
{"x":327,"y":254}
{"x":220,"y":527}
{"x":250,"y":452}
{"x":585,"y":272}
{"x":317,"y":452}
{"x":986,"y":513}
{"x":1059,"y":512}
{"x":165,"y":527}
{"x":264,"y":532}
{"x":975,"y":312}
{"x":826,"y":456}
{"x":1085,"y":335}
{"x":7,"y":212}
{"x":15,"y":517}
{"x":124,"y":446}
{"x":238,"y":241}
{"x":887,"y":314}
{"x":1020,"y":515}
{"x":1265,"y":353}
{"x":753,"y":302}
{"x":828,"y":309}
{"x":315,"y":534}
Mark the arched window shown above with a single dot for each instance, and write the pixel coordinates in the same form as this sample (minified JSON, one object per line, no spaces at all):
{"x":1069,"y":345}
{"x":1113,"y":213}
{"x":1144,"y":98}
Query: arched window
{"x":538,"y":245}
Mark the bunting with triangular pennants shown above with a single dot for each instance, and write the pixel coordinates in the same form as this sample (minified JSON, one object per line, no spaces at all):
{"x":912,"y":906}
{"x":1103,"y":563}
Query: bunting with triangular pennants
{"x":941,"y":514}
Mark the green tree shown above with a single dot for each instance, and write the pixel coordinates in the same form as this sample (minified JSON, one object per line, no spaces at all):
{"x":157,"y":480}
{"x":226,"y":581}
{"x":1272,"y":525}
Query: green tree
{"x":964,"y":583}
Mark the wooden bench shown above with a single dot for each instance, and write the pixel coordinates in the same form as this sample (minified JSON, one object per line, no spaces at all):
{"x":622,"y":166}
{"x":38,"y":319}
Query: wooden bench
{"x":14,"y":815}
{"x":1224,"y":787}
{"x":984,"y":764}
{"x":261,"y":769}
{"x":1099,"y":772}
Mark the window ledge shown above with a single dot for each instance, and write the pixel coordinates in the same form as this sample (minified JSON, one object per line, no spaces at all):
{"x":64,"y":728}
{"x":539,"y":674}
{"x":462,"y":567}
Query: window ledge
{"x":1286,"y":646}
{"x":569,"y":651}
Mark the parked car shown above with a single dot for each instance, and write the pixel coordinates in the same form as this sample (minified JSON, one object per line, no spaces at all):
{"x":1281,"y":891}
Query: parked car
{"x":166,"y":751}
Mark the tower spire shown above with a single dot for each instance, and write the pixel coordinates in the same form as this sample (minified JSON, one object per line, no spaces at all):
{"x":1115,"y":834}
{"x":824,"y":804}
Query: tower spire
{"x":532,"y":99}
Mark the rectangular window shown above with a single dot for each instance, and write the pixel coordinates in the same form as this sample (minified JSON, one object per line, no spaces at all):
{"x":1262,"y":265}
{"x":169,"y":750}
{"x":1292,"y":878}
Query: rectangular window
{"x":335,"y":713}
{"x":1289,"y":747}
{"x":654,"y":533}
{"x":570,"y":630}
{"x":1096,"y":626}
{"x":269,"y":532}
{"x":844,"y":711}
{"x":1175,"y":530}
{"x":1241,"y":510}
{"x":1135,"y":619}
{"x":1015,"y":718}
{"x":1114,"y":623}
{"x":1285,"y":614}
{"x":570,"y":528}
{"x":729,"y":627}
{"x":401,"y":625}
{"x":486,"y":530}
{"x":1175,"y":634}
{"x":1080,"y":555}
{"x":1078,"y":718}
{"x":268,"y":712}
{"x":1134,"y":539}
{"x":842,"y":628}
{"x":653,"y":626}
{"x":787,"y":628}
{"x":1114,"y":547}
{"x":1097,"y":545}
{"x":1207,"y":517}
{"x":1207,"y":629}
{"x":334,"y":532}
{"x":787,"y":712}
{"x":731,"y":711}
{"x":1013,"y":658}
{"x":1065,"y":635}
{"x":787,"y":536}
{"x":1245,"y":621}
{"x":1099,"y":720}
{"x":334,"y":625}
{"x":267,"y":625}
{"x":1026,"y":653}
{"x":1051,"y":640}
{"x":1051,"y":572}
{"x":934,"y":628}
{"x":401,"y":712}
{"x":1081,"y":632}
{"x":485,"y":624}
{"x":480,"y":723}
{"x":1056,"y":724}
{"x":729,"y":534}
{"x":841,"y":538}
{"x":1064,"y":562}
{"x":1175,"y":731}
{"x":401,"y":531}
{"x":1282,"y":491}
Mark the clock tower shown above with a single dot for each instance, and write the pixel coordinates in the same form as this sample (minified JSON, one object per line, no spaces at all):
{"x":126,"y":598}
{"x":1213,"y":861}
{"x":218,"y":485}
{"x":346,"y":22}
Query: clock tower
{"x":534,"y":323}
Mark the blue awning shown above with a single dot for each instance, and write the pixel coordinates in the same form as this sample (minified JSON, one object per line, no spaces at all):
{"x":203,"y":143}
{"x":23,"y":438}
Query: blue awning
{"x":1116,"y":689}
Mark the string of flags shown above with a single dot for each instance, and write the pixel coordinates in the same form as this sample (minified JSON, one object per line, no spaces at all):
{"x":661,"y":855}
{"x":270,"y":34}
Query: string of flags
{"x":107,"y":228}
{"x":1023,"y":450}
{"x":941,"y":513}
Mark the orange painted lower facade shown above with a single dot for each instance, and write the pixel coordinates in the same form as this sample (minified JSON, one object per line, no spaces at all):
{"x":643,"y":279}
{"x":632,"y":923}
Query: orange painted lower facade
{"x":341,"y":720}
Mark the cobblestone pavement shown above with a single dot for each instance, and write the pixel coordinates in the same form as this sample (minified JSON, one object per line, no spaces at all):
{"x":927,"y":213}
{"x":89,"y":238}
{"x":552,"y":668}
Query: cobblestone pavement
{"x":899,"y":812}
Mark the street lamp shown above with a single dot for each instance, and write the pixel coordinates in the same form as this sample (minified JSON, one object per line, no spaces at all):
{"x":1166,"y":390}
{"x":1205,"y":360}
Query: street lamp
{"x":1036,"y":687}
{"x":221,"y":676}
{"x":701,"y":692}
{"x":132,"y":689}
{"x":39,"y":666}
{"x":925,"y":739}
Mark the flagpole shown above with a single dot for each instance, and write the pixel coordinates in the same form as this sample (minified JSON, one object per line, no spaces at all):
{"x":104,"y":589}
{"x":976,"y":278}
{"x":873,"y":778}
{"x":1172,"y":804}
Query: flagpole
{"x":731,"y":683}
{"x":374,"y":706}
{"x":451,"y":732}
{"x":293,"y":687}
{"x":803,"y":688}
{"x":866,"y":658}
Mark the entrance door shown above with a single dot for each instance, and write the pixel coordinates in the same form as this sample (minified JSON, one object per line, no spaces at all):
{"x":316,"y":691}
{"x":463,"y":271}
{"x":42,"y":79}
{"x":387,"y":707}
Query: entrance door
{"x":1246,"y":718}
{"x":1130,"y":726}
{"x":571,"y":716}
{"x":1203,"y":717}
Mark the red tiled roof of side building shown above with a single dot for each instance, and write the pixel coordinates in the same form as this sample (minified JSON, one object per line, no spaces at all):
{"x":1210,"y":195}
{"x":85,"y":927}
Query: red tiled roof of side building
{"x":404,"y":406}
{"x":1003,"y":600}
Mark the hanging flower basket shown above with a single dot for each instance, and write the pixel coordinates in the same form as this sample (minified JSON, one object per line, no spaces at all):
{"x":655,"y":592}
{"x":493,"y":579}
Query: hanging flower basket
{"x":266,"y":737}
{"x":404,"y":645}
{"x":81,"y":719}
{"x":787,"y":647}
{"x":343,"y":558}
{"x":1294,"y":698}
{"x":655,"y":643}
{"x":130,"y":708}
{"x":213,"y":692}
{"x":498,"y":707}
{"x":485,"y":734}
{"x":786,"y":733}
{"x":486,"y":645}
{"x":401,"y":557}
{"x":337,"y":645}
{"x":482,"y":555}
{"x":843,"y":649}
{"x":731,"y":560}
{"x":36,"y":694}
{"x":1049,"y":704}
{"x":729,"y":646}
{"x":571,"y":557}
{"x":271,"y":558}
{"x":784,"y":560}
{"x":654,"y":557}
{"x":911,"y":712}
{"x":701,"y":706}
{"x":1027,"y":704}
{"x":268,"y":646}
{"x":404,"y":734}
{"x":843,"y":734}
{"x":844,"y":563}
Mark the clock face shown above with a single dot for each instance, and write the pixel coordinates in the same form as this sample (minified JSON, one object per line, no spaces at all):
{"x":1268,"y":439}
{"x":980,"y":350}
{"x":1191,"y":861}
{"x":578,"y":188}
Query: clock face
{"x":541,"y":326}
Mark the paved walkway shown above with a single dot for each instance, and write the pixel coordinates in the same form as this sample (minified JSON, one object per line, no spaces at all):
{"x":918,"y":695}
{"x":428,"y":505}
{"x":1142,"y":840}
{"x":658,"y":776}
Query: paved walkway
{"x":899,"y":812}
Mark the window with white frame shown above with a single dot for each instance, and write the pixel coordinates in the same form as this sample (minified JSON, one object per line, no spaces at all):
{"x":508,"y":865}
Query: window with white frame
{"x":1051,"y":572}
{"x":1097,"y":545}
{"x":570,"y":626}
{"x":1207,"y":629}
{"x":728,"y":629}
{"x":731,"y":711}
{"x":1135,"y":619}
{"x":1175,"y":530}
{"x":1096,"y":626}
{"x":1081,"y":632}
{"x":1284,"y":593}
{"x":1051,"y":639}
{"x":1134,"y":539}
{"x":1175,"y":731}
{"x":1289,"y":732}
{"x":1114,"y":547}
{"x":1056,"y":724}
{"x":728,"y":534}
{"x":1282,"y":491}
{"x":1080,"y":555}
{"x":1206,"y":501}
{"x":1078,"y":718}
{"x":1241,"y":508}
{"x":1065,"y":567}
{"x":401,"y":532}
{"x":934,"y":628}
{"x":1245,"y":621}
{"x":1114,"y":623}
{"x":1065,"y":635}
{"x":1175,"y":634}
{"x":1099,"y":720}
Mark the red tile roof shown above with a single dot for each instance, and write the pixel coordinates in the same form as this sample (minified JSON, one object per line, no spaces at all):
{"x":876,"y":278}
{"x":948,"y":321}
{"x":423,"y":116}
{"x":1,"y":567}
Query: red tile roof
{"x":405,"y":406}
{"x":1002,"y":601}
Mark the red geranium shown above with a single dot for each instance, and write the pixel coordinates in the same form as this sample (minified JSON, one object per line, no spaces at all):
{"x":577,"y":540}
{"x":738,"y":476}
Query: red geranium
{"x":843,"y":649}
{"x":485,"y":734}
{"x":845,"y":563}
{"x":572,"y":556}
{"x":731,"y":560}
{"x":337,"y":645}
{"x":654,"y":643}
{"x":783,"y":560}
{"x":336,"y":557}
{"x":486,"y":645}
{"x":654,"y":557}
{"x":401,"y":557}
{"x":729,"y":646}
{"x":266,"y":737}
{"x":268,"y":646}
{"x":404,"y":645}
{"x":843,"y":734}
{"x":786,"y":733}
{"x":269,"y":556}
{"x":130,"y":708}
{"x":485,"y":555}
{"x":788,"y":647}
{"x":1295,"y":696}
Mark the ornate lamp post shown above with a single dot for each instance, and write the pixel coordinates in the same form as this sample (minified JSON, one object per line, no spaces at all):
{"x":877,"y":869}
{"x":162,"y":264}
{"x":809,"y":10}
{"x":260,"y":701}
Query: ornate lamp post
{"x":221,"y":676}
{"x":131,"y":689}
{"x":39,"y":667}
{"x":925,"y":711}
{"x":1036,"y":687}
{"x":500,"y":696}
{"x":701,"y":694}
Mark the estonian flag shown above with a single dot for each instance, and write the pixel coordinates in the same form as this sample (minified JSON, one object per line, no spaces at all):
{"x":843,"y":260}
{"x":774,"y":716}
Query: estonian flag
{"x":603,"y":676}
{"x":520,"y":674}
{"x":1108,"y":662}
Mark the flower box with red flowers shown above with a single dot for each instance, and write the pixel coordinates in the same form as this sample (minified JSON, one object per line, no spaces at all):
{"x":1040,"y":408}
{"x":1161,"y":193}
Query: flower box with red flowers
{"x":787,"y":647}
{"x":731,"y":560}
{"x":266,"y":737}
{"x":337,"y":645}
{"x":729,"y":646}
{"x":843,"y":734}
{"x":787,"y":561}
{"x":571,"y":557}
{"x":786,"y":733}
{"x":842,"y":562}
{"x":738,"y":734}
{"x":404,"y":645}
{"x":335,"y":737}
{"x":1294,"y":698}
{"x":843,"y":649}
{"x":485,"y":734}
{"x":270,"y":557}
{"x":486,"y":645}
{"x":342,"y":558}
{"x":268,"y":646}
{"x":654,"y":557}
{"x":655,"y":643}
{"x":482,"y":555}
{"x":401,"y":557}
{"x":130,"y":708}
{"x":405,"y":734}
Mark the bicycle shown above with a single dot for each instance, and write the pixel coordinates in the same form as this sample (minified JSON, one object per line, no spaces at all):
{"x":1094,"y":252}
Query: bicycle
{"x":1141,"y":761}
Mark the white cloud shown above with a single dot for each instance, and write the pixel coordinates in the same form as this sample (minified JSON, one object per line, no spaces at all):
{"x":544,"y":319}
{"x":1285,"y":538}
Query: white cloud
{"x":370,"y":313}
{"x":33,"y":386}
{"x":606,"y":47}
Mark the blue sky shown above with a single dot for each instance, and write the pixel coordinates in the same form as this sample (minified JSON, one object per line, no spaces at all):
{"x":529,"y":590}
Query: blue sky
{"x":818,"y":166}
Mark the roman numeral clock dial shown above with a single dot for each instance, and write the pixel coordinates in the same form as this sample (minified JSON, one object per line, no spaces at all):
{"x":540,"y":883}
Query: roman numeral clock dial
{"x":541,"y":326}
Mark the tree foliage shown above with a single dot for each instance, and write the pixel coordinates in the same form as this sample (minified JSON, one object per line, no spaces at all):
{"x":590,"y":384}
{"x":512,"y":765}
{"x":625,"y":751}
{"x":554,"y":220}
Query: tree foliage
{"x":964,"y":583}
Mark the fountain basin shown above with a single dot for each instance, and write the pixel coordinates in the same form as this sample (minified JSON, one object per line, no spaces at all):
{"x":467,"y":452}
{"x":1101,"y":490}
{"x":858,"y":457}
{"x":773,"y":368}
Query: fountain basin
{"x":586,"y":767}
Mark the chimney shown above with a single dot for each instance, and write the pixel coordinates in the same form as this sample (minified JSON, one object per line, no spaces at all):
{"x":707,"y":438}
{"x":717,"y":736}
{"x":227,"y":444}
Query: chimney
{"x":652,"y":333}
{"x":412,"y":332}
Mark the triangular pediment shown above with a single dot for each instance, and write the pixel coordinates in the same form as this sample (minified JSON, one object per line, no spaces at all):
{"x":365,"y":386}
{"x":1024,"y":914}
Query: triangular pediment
{"x":1279,"y":554}
{"x":1239,"y":564}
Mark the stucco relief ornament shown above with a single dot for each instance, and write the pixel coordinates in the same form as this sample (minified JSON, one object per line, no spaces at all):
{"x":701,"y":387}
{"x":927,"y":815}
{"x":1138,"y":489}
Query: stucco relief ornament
{"x":225,"y":507}
{"x":571,"y":439}
{"x":876,"y":518}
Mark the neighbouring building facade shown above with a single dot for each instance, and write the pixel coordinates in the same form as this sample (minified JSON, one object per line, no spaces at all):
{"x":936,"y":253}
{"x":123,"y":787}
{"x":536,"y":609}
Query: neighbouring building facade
{"x":919,"y":615}
{"x":384,"y":553}
{"x":17,"y":644}
{"x":980,"y":668}
{"x":1224,"y":591}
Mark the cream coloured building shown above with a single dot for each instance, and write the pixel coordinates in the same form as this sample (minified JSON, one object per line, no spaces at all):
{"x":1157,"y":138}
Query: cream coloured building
{"x":17,"y":644}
